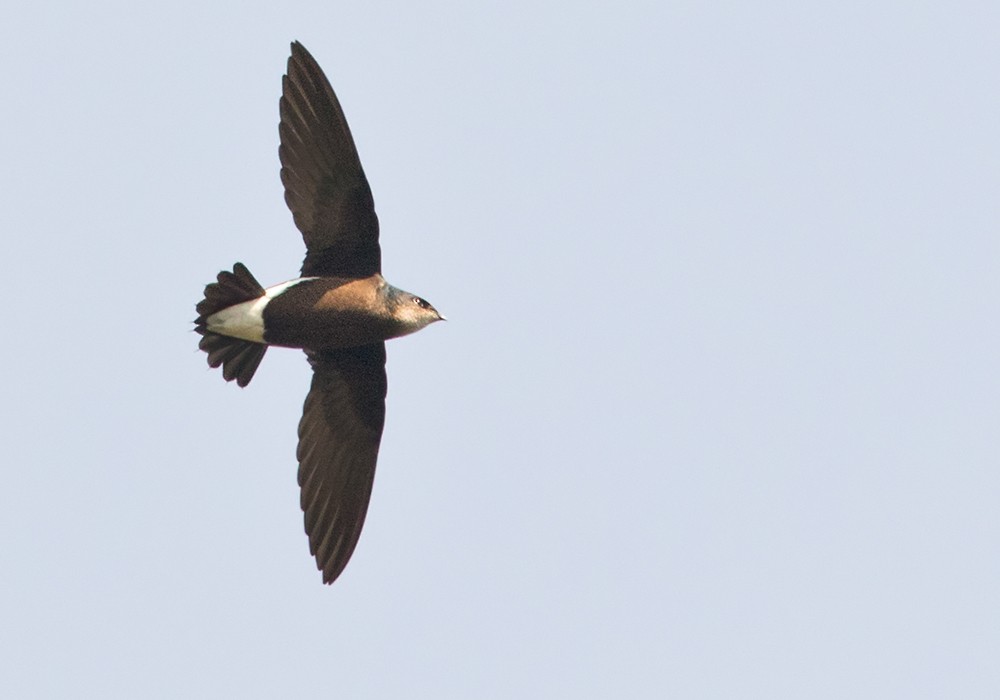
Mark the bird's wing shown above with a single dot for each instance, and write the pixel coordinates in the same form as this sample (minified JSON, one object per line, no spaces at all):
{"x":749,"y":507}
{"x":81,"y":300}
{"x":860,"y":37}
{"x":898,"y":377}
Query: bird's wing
{"x":339,"y":436}
{"x":325,"y":187}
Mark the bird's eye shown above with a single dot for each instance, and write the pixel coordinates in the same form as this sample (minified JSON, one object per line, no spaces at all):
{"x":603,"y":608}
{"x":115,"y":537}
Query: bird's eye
{"x":420,"y":302}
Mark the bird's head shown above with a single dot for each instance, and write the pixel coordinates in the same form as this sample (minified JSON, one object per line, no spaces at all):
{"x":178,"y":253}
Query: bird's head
{"x":412,"y":312}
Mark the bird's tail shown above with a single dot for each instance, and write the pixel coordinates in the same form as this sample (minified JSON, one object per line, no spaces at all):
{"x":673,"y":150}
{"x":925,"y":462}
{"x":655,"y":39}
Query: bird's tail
{"x":239,"y":358}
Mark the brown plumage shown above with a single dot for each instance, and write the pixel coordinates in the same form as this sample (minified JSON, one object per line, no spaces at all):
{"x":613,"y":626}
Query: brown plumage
{"x":339,"y":312}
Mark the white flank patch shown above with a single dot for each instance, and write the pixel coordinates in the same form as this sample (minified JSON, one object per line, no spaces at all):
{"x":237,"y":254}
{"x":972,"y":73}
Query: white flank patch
{"x":246,"y":320}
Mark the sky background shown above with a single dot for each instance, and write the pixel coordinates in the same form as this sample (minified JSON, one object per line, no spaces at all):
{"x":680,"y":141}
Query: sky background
{"x":715,"y":414}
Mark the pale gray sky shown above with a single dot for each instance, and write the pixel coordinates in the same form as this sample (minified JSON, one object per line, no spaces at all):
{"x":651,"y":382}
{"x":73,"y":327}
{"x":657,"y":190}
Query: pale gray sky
{"x":715,"y":415}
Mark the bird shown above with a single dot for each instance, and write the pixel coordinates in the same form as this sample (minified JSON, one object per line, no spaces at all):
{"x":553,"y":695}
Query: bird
{"x":339,"y":311}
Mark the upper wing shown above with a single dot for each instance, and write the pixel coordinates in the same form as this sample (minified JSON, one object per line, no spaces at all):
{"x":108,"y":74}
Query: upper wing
{"x":325,"y":186}
{"x":339,"y":436}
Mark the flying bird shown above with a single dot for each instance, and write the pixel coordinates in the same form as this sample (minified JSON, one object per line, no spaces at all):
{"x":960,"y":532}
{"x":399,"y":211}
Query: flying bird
{"x":340,"y":310}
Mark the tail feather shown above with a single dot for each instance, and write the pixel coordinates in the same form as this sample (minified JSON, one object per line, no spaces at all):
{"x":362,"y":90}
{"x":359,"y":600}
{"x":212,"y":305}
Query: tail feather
{"x":239,"y":358}
{"x":231,"y":288}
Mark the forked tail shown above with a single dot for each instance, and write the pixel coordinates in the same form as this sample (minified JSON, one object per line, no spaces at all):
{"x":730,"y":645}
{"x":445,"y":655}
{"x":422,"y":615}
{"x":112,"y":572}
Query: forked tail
{"x":239,"y":358}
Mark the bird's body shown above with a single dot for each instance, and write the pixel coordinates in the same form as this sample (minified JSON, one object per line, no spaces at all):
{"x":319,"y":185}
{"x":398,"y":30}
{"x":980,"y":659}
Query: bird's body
{"x":340,"y":312}
{"x":321,"y":313}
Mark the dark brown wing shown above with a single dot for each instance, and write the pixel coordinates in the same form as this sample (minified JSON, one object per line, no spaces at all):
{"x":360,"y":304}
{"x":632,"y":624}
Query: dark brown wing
{"x":325,"y":187}
{"x":339,"y":436}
